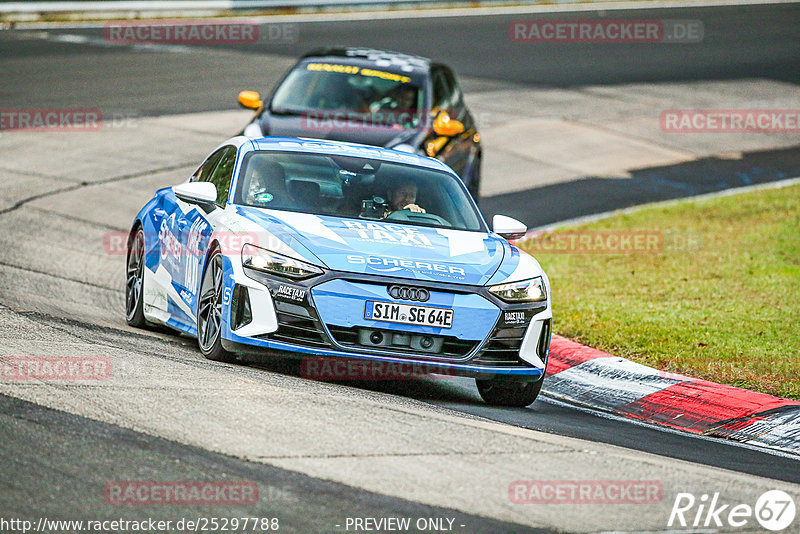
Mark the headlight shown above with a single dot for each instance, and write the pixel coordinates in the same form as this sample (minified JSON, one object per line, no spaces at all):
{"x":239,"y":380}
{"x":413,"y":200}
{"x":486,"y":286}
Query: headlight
{"x":525,"y":291}
{"x":266,"y":261}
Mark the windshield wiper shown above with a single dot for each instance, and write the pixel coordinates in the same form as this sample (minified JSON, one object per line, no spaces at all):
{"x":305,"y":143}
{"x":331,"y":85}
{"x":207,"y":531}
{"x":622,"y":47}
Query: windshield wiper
{"x":286,"y":111}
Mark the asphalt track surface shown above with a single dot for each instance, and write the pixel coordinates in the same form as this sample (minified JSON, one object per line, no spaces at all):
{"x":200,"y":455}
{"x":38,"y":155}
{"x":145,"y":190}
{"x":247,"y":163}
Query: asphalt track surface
{"x":305,"y":503}
{"x":111,"y":78}
{"x":740,"y":42}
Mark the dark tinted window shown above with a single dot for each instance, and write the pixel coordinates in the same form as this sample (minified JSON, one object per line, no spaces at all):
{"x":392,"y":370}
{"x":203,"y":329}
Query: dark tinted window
{"x":332,"y":93}
{"x":353,"y":187}
{"x":455,"y":99}
{"x":222,"y":174}
{"x":442,"y":89}
{"x":205,"y":170}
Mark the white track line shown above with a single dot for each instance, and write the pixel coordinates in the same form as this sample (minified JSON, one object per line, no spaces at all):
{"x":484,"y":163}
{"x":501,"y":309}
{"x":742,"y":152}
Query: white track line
{"x":662,"y":428}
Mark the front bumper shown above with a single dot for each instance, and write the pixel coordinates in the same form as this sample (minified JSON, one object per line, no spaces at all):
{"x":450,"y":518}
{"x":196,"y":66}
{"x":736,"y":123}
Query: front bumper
{"x":324,"y":316}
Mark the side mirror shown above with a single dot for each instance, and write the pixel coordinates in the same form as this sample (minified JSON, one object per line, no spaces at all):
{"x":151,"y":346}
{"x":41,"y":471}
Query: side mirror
{"x":250,"y":100}
{"x":196,"y":192}
{"x":445,"y":126}
{"x":508,"y":228}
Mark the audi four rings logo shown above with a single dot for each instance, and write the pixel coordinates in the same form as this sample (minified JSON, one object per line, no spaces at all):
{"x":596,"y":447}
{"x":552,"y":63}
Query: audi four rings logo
{"x":409,"y":293}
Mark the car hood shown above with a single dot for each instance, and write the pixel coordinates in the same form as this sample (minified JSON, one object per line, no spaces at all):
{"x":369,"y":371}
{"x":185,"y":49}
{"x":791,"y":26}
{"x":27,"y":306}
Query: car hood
{"x":295,"y":126}
{"x":382,"y":248}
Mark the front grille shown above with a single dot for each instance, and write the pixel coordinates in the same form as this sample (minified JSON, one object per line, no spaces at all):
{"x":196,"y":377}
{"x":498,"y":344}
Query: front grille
{"x":297,"y":325}
{"x":452,"y":347}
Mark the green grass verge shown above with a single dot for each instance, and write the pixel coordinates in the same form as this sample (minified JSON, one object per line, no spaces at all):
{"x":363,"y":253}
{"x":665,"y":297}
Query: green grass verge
{"x":718,"y":300}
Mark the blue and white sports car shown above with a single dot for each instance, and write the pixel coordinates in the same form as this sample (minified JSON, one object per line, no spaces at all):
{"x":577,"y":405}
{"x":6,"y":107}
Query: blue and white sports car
{"x":328,"y":249}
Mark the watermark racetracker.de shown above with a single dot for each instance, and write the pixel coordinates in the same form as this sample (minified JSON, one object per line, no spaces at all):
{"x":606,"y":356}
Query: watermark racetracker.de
{"x":51,"y":119}
{"x":355,"y":121}
{"x":54,"y":368}
{"x":586,"y":492}
{"x":200,"y":32}
{"x":606,"y":31}
{"x":191,"y":242}
{"x":64,"y":119}
{"x":324,"y":120}
{"x":148,"y":524}
{"x":610,"y":242}
{"x":335,"y":369}
{"x":730,"y":121}
{"x":181,"y":493}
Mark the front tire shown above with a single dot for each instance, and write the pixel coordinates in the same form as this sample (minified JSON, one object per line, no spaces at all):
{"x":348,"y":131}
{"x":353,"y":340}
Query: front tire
{"x":209,"y":312}
{"x":516,"y":393}
{"x":134,"y":281}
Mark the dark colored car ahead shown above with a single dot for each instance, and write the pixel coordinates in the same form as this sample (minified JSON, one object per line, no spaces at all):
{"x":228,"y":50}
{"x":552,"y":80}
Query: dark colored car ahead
{"x":374,"y":97}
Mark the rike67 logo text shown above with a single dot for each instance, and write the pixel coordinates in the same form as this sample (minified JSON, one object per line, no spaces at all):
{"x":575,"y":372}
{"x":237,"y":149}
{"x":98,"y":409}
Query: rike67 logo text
{"x":774,"y":510}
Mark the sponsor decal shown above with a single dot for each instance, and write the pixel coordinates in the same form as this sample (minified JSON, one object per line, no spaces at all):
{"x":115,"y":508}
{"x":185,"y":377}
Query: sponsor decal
{"x":186,"y":296}
{"x":154,"y":298}
{"x":289,"y":293}
{"x":351,"y":69}
{"x":170,"y":245}
{"x":389,"y":234}
{"x":263,"y":197}
{"x":389,"y":265}
{"x":516,"y":318}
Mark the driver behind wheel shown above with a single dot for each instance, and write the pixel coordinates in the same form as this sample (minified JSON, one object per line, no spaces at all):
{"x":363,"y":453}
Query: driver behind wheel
{"x":403,"y":196}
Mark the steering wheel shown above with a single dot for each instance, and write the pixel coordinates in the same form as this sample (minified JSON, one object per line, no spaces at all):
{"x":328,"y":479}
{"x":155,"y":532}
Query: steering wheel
{"x":412,"y":216}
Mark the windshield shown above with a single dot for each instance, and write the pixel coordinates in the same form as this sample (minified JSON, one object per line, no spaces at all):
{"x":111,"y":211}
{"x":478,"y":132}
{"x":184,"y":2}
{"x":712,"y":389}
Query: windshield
{"x":346,"y":186}
{"x":347,"y":92}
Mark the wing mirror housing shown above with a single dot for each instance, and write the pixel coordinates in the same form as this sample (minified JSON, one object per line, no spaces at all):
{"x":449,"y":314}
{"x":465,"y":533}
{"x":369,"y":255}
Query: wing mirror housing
{"x":445,"y":126}
{"x":250,"y":100}
{"x":508,"y":228}
{"x":203,"y":193}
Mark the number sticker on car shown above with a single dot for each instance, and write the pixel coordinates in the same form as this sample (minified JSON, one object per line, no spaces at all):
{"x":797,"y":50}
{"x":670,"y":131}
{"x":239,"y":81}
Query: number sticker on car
{"x":408,"y":314}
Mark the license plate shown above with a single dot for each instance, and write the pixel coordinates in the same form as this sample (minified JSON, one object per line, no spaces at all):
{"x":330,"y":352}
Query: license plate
{"x":407,"y":314}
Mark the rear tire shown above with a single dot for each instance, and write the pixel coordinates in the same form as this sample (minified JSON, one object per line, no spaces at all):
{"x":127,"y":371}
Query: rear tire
{"x":516,"y":393}
{"x":209,"y":312}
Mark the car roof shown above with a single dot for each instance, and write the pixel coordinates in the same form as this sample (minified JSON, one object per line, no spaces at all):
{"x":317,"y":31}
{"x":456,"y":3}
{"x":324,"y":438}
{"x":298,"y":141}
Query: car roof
{"x":376,"y":58}
{"x":337,"y":148}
